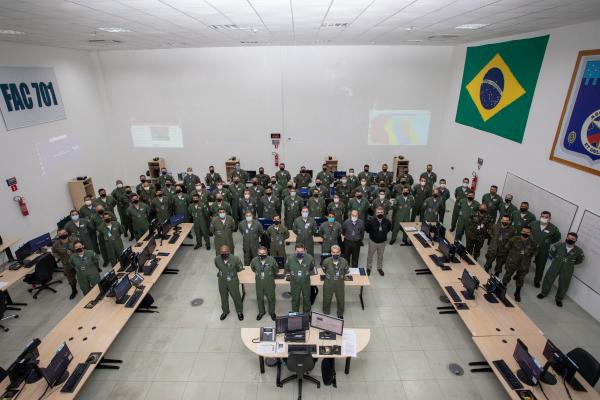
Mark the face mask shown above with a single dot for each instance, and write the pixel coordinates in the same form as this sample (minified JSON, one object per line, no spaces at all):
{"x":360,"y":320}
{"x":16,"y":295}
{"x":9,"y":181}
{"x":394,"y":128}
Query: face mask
{"x":351,"y":173}
{"x":336,"y":200}
{"x":304,"y":214}
{"x":302,"y":171}
{"x":316,"y":195}
{"x":335,"y":257}
{"x":300,"y":255}
{"x":261,"y":171}
{"x":292,"y":194}
{"x":236,"y":181}
{"x":354,"y":219}
{"x":570,"y":242}
{"x":281,"y":168}
{"x":196,"y":201}
{"x":135,"y":201}
{"x":405,"y":194}
{"x":79,"y":250}
{"x":359,"y":196}
{"x":363,"y":183}
{"x":262,"y":256}
{"x":146,"y":188}
{"x":249,"y":218}
{"x":63,"y":237}
{"x":324,"y":169}
{"x":178,"y":191}
{"x":544,"y":220}
{"x":219,"y":199}
{"x":88,"y":202}
{"x":119,"y":185}
{"x":268,"y":193}
{"x":102,"y":195}
{"x":330,"y":219}
{"x":100,"y":212}
{"x":165,"y":172}
{"x":254,"y":183}
{"x":128,"y":191}
{"x":465,"y":185}
{"x":75,"y":218}
{"x":422,"y":183}
{"x":142,"y":180}
{"x":505,"y":223}
{"x":168,"y":186}
{"x":384,"y":169}
{"x":246,"y":196}
{"x":212,"y":171}
{"x":470,"y":198}
{"x":159,"y":195}
{"x":524,"y":235}
{"x":225,"y":256}
{"x":276,"y":222}
{"x":107,"y":221}
{"x":507,"y":201}
{"x":318,"y":184}
{"x":379,"y":216}
{"x":481,"y":211}
{"x":523,"y":209}
{"x":344,"y":181}
{"x":222,"y":215}
{"x":219,"y":187}
{"x":198,"y":188}
{"x":366,"y":169}
{"x":442,"y":185}
{"x":435,"y":195}
{"x":273,"y":182}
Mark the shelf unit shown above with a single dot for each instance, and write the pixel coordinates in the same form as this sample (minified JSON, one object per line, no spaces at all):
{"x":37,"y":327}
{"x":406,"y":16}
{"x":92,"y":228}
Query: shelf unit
{"x":78,"y":189}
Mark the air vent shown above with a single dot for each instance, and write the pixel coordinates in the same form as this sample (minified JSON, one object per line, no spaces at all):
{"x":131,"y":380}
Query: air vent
{"x":335,"y":25}
{"x":104,"y":41}
{"x":444,"y":36}
{"x":220,"y":27}
{"x":248,"y":42}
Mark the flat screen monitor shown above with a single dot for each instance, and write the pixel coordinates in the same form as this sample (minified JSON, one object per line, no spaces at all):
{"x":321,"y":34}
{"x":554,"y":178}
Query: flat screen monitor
{"x":24,"y":365}
{"x":266,"y":223}
{"x":303,"y":192}
{"x":40,"y":241}
{"x":56,"y":372}
{"x":107,"y":281}
{"x":143,"y":256}
{"x":177,"y":219}
{"x":125,"y":258}
{"x":339,"y":174}
{"x":251,"y":174}
{"x":426,"y":229}
{"x":121,"y":288}
{"x":562,"y":364}
{"x":309,"y":172}
{"x":292,"y":323}
{"x":166,"y":227}
{"x":460,"y":248}
{"x":530,"y":371}
{"x":151,"y":245}
{"x":469,"y":283}
{"x":280,"y":262}
{"x":444,"y":248}
{"x":319,"y":221}
{"x":327,"y":323}
{"x":440,"y":231}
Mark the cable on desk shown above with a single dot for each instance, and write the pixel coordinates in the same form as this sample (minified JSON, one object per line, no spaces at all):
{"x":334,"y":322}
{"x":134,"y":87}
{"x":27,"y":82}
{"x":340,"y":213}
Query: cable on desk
{"x":45,"y":390}
{"x":542,"y":389}
{"x":565,"y":385}
{"x":256,"y":340}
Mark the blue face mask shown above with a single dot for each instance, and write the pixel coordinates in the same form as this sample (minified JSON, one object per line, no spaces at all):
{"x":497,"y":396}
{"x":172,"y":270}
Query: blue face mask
{"x":335,"y":257}
{"x":330,"y":219}
{"x":300,"y":255}
{"x":75,"y":218}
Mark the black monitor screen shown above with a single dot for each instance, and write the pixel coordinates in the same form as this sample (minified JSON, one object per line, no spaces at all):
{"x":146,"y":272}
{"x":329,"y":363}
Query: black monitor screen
{"x":280,"y":262}
{"x":251,"y":174}
{"x":151,"y":245}
{"x":166,"y":226}
{"x":125,"y":258}
{"x":23,"y":364}
{"x":40,"y":241}
{"x":468,"y":282}
{"x":527,"y":363}
{"x":294,"y":323}
{"x":444,"y":248}
{"x":143,"y":256}
{"x":291,"y":323}
{"x":177,"y":219}
{"x":460,"y":248}
{"x":122,"y":287}
{"x":58,"y":365}
{"x":426,"y":229}
{"x":339,"y":174}
{"x":107,"y":281}
{"x":440,"y":231}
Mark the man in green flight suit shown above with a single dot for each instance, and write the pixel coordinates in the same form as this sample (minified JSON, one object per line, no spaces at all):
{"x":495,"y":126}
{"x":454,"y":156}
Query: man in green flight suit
{"x":85,"y":263}
{"x":139,"y":214}
{"x":299,"y":267}
{"x":292,"y":205}
{"x":466,"y":206}
{"x":315,"y":204}
{"x":565,"y":256}
{"x":200,"y":214}
{"x":162,"y":206}
{"x":263,"y":179}
{"x":366,"y":175}
{"x":429,"y":175}
{"x":507,"y":208}
{"x":62,"y":249}
{"x":79,"y":229}
{"x":87,"y":209}
{"x":121,"y":196}
{"x":278,"y":234}
{"x":444,"y":195}
{"x":213,"y":177}
{"x":96,"y":222}
{"x":336,"y":268}
{"x":251,"y":231}
{"x":498,"y":247}
{"x":492,"y":200}
{"x":181,"y":203}
{"x":459,"y":193}
{"x":545,"y":235}
{"x":105,"y":200}
{"x":270,"y":205}
{"x":168,"y":190}
{"x":111,"y":231}
{"x":220,"y":204}
{"x":222,"y":227}
{"x":343,"y":190}
{"x":190,"y":180}
{"x":229,"y":285}
{"x":403,"y":206}
{"x":163,"y":178}
{"x":382,"y":201}
{"x":238,"y":171}
{"x":520,"y":251}
{"x":303,"y":179}
{"x":420,"y":192}
{"x":478,"y":229}
{"x":237,"y":192}
{"x":523,"y":217}
{"x":264,"y":268}
{"x":283,"y":177}
{"x":385,"y":176}
{"x":358,"y":203}
{"x":353,"y":182}
{"x":338,"y":208}
{"x":305,"y":227}
{"x":331,"y":232}
{"x":432,"y":207}
{"x":325,"y":176}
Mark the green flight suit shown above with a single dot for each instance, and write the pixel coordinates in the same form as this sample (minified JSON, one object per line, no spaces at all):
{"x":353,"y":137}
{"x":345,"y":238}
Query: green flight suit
{"x":444,"y":195}
{"x":283,"y":177}
{"x":229,"y":284}
{"x":97,"y":223}
{"x":316,"y":207}
{"x":237,"y":193}
{"x":222,"y":231}
{"x":264,"y":272}
{"x":122,"y":201}
{"x":544,"y":239}
{"x":82,"y":231}
{"x":190,"y":181}
{"x":168,"y":192}
{"x":385,"y":204}
{"x":162,"y":208}
{"x":200,"y":215}
{"x":300,"y":280}
{"x":432,"y":207}
{"x":334,"y":284}
{"x":492,"y":201}
{"x":108,"y":202}
{"x":326,"y":178}
{"x":520,"y":219}
{"x":518,"y":259}
{"x":212,"y":179}
{"x":323,"y":191}
{"x":338,"y":210}
{"x":304,"y":231}
{"x":242,"y":174}
{"x":420,"y":193}
{"x":352,"y":181}
{"x":181,"y":206}
{"x":146,"y":196}
{"x":269,"y":207}
{"x":402,"y":207}
{"x":367,"y":176}
{"x":343,"y":191}
{"x":250,"y":205}
{"x":251,"y":234}
{"x":563,"y":265}
{"x":161,"y":181}
{"x":263,"y":180}
{"x":225,"y":194}
{"x":362,"y":206}
{"x":112,"y":240}
{"x":87,"y":211}
{"x":506,"y":209}
{"x":86,"y":269}
{"x":498,"y":247}
{"x":459,"y":193}
{"x":407,"y":177}
{"x":139,"y":217}
{"x":292,"y":207}
{"x":387,"y":177}
{"x":278,"y":234}
{"x":331,"y":234}
{"x":302,"y":180}
{"x":477,"y":231}
{"x":464,"y":213}
{"x":204,"y":196}
{"x":430,"y":178}
{"x":63,"y":252}
{"x":214,"y":208}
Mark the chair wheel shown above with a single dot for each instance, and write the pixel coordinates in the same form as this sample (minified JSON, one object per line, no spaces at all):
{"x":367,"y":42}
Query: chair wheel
{"x":319,"y":386}
{"x":35,"y":296}
{"x":5,"y":329}
{"x":16,"y":316}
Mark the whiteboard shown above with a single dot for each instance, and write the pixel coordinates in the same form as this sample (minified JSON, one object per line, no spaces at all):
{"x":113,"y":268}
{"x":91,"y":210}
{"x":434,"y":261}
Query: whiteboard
{"x":588,"y":272}
{"x":539,"y":199}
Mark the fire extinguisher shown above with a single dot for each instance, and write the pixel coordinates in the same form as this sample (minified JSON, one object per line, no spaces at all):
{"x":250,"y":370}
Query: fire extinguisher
{"x":22,"y":205}
{"x":474,"y":181}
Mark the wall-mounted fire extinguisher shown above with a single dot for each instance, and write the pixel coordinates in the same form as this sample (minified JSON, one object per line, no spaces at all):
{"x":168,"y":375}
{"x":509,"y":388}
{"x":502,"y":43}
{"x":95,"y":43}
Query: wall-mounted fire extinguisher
{"x":22,"y":205}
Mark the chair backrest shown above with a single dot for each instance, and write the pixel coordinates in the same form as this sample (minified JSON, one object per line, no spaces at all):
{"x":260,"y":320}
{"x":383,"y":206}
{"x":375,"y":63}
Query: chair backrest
{"x":3,"y":374}
{"x":300,"y":362}
{"x":589,"y":367}
{"x":44,"y":268}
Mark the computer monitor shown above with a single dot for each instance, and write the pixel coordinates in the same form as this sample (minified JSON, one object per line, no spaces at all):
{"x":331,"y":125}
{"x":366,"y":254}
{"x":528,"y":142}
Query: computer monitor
{"x":440,"y":231}
{"x":324,"y":256}
{"x":106,"y":282}
{"x":327,"y":323}
{"x":426,"y":229}
{"x":177,"y":219}
{"x":460,"y":248}
{"x":25,"y":368}
{"x":470,"y":284}
{"x":251,"y":174}
{"x":303,"y":192}
{"x":121,"y":288}
{"x":151,"y":246}
{"x":294,"y":322}
{"x":266,"y":223}
{"x":125,"y":259}
{"x":56,"y":372}
{"x":310,"y":172}
{"x":530,"y":371}
{"x":40,"y":241}
{"x":339,"y":174}
{"x":444,"y":248}
{"x":142,"y":257}
{"x":280,"y":262}
{"x":166,"y":227}
{"x":319,"y":221}
{"x":23,"y":252}
{"x":562,"y":364}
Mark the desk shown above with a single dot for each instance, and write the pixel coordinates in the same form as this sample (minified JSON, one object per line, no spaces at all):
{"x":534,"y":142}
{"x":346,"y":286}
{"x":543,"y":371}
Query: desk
{"x":5,"y":246}
{"x":292,"y":238}
{"x":92,"y":330}
{"x":248,"y":277}
{"x":249,"y":334}
{"x":502,"y":347}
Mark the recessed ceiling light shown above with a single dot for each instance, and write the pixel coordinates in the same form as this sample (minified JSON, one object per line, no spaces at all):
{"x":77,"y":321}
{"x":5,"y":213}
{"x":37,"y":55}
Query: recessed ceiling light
{"x":410,"y":28}
{"x":414,"y":40}
{"x":248,"y":42}
{"x":10,"y":32}
{"x":335,"y":25}
{"x":114,"y":30}
{"x":218,"y":27}
{"x":471,"y":26}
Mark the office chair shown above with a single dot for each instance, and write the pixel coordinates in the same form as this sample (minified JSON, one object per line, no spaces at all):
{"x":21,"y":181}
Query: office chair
{"x":44,"y":268}
{"x":301,"y":363}
{"x":3,"y":308}
{"x":3,"y":374}
{"x":589,"y":367}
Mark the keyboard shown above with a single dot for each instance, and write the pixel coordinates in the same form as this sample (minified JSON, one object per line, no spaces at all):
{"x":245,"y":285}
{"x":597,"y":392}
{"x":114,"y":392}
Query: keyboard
{"x":135,"y":297}
{"x":508,"y":375}
{"x":311,"y":348}
{"x":421,"y":240}
{"x":14,"y":267}
{"x":455,"y":297}
{"x":74,"y":378}
{"x":174,"y":238}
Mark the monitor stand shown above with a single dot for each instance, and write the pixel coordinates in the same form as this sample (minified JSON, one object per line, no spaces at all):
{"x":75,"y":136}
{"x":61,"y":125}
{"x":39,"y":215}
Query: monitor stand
{"x":326,"y":335}
{"x":547,"y":376}
{"x":61,"y":380}
{"x":34,"y":375}
{"x":468,"y":295}
{"x":523,"y":377}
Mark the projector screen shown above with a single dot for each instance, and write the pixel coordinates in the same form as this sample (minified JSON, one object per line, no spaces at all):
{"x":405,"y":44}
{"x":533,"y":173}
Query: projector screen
{"x":169,"y":136}
{"x":398,"y":127}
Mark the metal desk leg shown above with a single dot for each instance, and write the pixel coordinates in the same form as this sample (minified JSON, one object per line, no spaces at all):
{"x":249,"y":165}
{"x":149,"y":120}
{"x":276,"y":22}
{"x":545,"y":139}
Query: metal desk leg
{"x":261,"y":362}
{"x":10,"y":302}
{"x":278,"y":372}
{"x":9,"y":254}
{"x":347,"y":369}
{"x":360,"y":296}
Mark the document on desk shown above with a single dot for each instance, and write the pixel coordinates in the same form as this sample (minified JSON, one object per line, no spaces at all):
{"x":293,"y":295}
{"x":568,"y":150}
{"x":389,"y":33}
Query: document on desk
{"x":410,"y":229}
{"x":354,"y":271}
{"x":349,"y":343}
{"x":3,"y":285}
{"x":266,"y":348}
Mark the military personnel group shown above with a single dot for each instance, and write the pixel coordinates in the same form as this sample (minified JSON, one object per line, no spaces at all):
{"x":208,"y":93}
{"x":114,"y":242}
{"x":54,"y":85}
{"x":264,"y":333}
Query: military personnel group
{"x":340,"y":211}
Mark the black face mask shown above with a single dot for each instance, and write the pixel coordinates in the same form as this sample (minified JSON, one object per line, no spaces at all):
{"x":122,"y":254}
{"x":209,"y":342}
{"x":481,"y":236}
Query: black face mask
{"x":302,"y":171}
{"x":159,"y":195}
{"x":225,"y":256}
{"x":318,"y":184}
{"x":236,"y":181}
{"x":268,"y":193}
{"x":379,"y":216}
{"x":128,"y":191}
{"x":168,"y":186}
{"x":261,"y":171}
{"x":273,"y":182}
{"x":178,"y":191}
{"x":359,"y":197}
{"x":570,"y":242}
{"x":100,"y":212}
{"x":79,"y":250}
{"x":281,"y":168}
{"x":316,"y":195}
{"x":405,"y":194}
{"x":276,"y":222}
{"x":63,"y":237}
{"x":366,"y":169}
{"x":505,"y":223}
{"x":507,"y":201}
{"x":262,"y":256}
{"x":211,"y":171}
{"x":324,"y":169}
{"x":135,"y":201}
{"x":107,"y":221}
{"x":470,"y":198}
{"x":524,"y":235}
{"x":435,"y":195}
{"x":523,"y":209}
{"x":195,"y":201}
{"x":254,"y":183}
{"x":481,"y":211}
{"x":164,"y":172}
{"x":102,"y":194}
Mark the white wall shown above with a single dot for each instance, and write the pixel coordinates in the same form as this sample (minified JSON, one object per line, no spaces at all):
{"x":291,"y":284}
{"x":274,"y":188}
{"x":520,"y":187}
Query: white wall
{"x":461,"y":145}
{"x":228,"y":101}
{"x":46,"y":193}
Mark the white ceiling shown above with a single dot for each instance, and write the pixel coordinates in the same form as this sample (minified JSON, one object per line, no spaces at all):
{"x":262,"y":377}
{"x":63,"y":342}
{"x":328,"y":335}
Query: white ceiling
{"x":187,"y":23}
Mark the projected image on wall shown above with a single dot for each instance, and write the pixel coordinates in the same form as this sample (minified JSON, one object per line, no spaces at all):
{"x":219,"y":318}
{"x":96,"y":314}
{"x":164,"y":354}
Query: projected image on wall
{"x":169,"y":136}
{"x":57,"y":153}
{"x":398,"y":127}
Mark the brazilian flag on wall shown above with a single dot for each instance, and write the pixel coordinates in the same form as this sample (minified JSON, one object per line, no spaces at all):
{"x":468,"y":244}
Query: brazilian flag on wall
{"x":498,"y":85}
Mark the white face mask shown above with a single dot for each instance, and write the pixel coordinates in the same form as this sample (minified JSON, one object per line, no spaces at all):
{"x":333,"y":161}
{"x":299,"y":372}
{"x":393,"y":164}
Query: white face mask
{"x":544,"y":220}
{"x":88,"y":202}
{"x":422,"y":183}
{"x":442,"y":185}
{"x":354,"y":219}
{"x":292,"y":194}
{"x":363,"y":183}
{"x":246,"y":196}
{"x":305,"y":215}
{"x":219,"y":187}
{"x":198,"y":188}
{"x":344,"y":181}
{"x":189,"y":172}
{"x":336,"y":200}
{"x":222,"y":215}
{"x":249,"y":218}
{"x":119,"y":185}
{"x":381,"y":197}
{"x":465,"y":185}
{"x":351,"y":173}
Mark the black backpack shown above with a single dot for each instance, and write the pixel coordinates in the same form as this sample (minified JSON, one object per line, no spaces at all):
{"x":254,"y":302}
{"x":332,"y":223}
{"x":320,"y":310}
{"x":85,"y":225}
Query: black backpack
{"x":328,"y":371}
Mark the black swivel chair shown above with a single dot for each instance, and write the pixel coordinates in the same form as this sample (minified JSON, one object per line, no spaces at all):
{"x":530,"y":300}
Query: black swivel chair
{"x":44,"y":268}
{"x":3,"y":308}
{"x":301,"y":363}
{"x":589,"y":367}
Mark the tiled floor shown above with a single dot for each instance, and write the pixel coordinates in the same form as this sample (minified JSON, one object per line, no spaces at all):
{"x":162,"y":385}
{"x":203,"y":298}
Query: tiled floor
{"x":185,"y":352}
